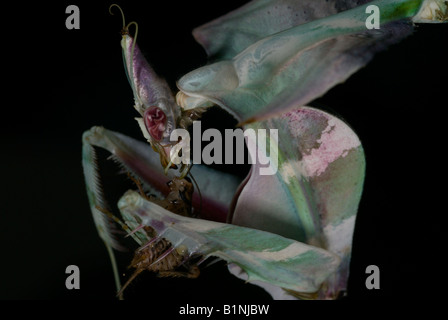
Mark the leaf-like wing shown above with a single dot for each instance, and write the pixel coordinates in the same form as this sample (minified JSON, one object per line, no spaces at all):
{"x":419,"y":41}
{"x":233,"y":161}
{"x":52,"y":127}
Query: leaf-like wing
{"x":262,"y":255}
{"x":292,"y":67}
{"x":226,"y":36}
{"x":314,"y":194}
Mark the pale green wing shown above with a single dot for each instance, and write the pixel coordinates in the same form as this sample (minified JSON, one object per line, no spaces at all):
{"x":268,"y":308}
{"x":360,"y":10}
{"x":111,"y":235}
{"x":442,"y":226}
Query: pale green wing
{"x":294,"y":66}
{"x":314,"y":193}
{"x":226,"y":36}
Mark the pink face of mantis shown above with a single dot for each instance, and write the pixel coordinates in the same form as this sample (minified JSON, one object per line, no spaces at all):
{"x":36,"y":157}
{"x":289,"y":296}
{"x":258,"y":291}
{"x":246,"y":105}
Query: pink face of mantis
{"x":155,"y":122}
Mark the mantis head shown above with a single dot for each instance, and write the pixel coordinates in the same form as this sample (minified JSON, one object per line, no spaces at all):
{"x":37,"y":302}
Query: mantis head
{"x":153,"y":97}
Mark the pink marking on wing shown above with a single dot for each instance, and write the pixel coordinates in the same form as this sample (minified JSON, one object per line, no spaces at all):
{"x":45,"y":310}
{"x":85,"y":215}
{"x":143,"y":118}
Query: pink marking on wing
{"x":335,"y":142}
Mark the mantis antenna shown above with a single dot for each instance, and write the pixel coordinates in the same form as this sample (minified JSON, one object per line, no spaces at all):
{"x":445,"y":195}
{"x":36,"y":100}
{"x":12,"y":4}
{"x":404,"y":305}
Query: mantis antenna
{"x":131,"y":67}
{"x":126,"y":27}
{"x":135,"y":37}
{"x":122,"y":14}
{"x":125,"y":31}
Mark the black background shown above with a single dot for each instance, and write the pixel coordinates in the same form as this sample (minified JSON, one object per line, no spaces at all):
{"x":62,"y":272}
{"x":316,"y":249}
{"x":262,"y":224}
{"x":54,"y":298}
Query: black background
{"x":59,"y":83}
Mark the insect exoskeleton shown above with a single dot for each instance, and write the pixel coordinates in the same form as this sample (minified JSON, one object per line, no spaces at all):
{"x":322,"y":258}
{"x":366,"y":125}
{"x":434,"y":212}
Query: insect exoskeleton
{"x":161,"y":257}
{"x":192,"y":108}
{"x":156,"y":253}
{"x":179,"y":200}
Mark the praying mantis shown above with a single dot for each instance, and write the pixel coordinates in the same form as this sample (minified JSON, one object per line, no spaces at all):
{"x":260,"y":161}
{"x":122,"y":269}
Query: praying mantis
{"x":289,"y":232}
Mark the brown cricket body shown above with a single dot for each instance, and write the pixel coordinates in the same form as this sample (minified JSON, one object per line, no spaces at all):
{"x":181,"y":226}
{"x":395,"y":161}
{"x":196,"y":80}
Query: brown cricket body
{"x":146,"y":258}
{"x":159,"y":255}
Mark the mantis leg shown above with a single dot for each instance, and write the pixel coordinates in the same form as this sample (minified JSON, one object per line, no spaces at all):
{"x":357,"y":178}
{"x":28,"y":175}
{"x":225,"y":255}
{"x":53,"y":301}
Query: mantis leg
{"x":133,"y":155}
{"x":140,"y":160}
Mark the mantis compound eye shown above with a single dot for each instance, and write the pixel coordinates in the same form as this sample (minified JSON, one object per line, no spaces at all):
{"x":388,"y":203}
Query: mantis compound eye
{"x":155,"y":121}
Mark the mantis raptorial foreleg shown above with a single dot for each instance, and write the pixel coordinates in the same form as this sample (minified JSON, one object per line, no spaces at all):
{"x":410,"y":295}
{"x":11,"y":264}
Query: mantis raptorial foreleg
{"x":139,"y":160}
{"x":119,"y":147}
